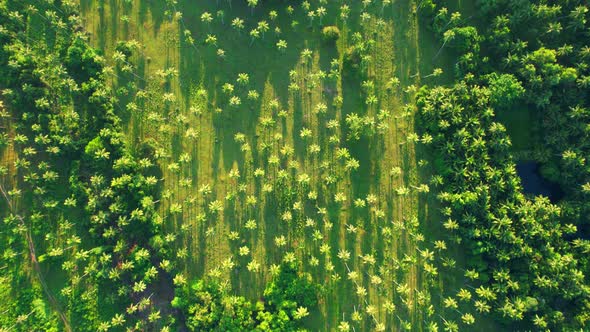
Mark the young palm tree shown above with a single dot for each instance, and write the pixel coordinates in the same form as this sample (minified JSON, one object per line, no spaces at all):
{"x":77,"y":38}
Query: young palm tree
{"x":320,"y":13}
{"x":206,"y":18}
{"x":344,"y":12}
{"x":311,"y":15}
{"x":435,"y":73}
{"x":282,"y":45}
{"x":254,"y":34}
{"x":263,"y":27}
{"x":447,"y":36}
{"x":238,"y":24}
{"x":300,"y":313}
{"x":221,"y":16}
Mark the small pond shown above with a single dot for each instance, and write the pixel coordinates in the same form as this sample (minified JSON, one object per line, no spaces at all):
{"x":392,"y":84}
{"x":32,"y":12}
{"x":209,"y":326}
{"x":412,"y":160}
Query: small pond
{"x":534,"y":184}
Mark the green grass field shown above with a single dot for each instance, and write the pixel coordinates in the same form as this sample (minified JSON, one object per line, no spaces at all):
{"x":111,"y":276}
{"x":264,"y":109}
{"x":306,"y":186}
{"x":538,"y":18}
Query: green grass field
{"x":253,"y":182}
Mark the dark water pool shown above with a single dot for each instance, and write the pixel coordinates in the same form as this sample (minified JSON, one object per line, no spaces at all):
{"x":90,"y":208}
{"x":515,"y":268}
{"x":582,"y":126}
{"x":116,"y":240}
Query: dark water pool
{"x":533,"y":183}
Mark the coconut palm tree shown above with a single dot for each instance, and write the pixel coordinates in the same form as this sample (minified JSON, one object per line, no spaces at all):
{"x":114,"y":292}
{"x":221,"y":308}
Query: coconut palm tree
{"x":206,"y":18}
{"x":344,"y":12}
{"x":311,"y":15}
{"x":282,"y":45}
{"x":320,"y":13}
{"x":252,"y":4}
{"x":254,"y":34}
{"x":447,"y":36}
{"x":238,"y":24}
{"x":263,"y":27}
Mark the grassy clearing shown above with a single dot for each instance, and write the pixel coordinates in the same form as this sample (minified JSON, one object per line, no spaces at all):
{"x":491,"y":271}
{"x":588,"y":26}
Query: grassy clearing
{"x":519,"y":124}
{"x":257,"y":161}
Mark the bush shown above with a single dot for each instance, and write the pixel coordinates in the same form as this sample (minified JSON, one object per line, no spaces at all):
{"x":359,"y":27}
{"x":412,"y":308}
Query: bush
{"x":93,"y":147}
{"x":505,"y":89}
{"x":82,"y":61}
{"x":352,"y":58}
{"x":331,"y":33}
{"x":427,"y":8}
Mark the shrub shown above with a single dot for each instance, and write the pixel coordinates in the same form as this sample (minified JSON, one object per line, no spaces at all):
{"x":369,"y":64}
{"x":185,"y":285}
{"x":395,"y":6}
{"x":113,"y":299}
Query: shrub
{"x":331,"y":33}
{"x":352,"y":57}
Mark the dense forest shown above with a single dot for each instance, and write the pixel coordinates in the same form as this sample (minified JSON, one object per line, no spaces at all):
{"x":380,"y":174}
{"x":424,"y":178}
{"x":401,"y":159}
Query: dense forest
{"x":319,"y":165}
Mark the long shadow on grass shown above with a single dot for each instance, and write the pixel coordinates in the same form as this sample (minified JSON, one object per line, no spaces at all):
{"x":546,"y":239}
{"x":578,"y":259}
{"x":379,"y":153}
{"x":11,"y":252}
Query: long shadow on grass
{"x":157,"y":10}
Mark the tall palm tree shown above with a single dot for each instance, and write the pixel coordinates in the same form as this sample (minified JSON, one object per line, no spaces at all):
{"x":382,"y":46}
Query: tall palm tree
{"x":252,"y":4}
{"x":238,"y":24}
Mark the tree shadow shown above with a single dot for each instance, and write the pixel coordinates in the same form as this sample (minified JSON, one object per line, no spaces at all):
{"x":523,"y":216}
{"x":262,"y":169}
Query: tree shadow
{"x":156,"y":9}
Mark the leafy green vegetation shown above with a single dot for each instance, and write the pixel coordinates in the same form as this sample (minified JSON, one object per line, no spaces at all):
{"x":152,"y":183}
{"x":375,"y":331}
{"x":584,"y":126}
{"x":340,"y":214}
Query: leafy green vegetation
{"x":320,"y":165}
{"x":533,"y":252}
{"x":287,"y":299}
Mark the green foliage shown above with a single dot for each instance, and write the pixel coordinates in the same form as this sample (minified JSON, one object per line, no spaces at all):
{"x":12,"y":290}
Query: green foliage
{"x":82,"y":61}
{"x":427,"y":8}
{"x":90,"y":202}
{"x":535,"y":54}
{"x":463,"y":39}
{"x":359,"y":126}
{"x":505,"y":90}
{"x":290,"y":286}
{"x":207,"y":306}
{"x":358,"y":56}
{"x":330,"y":33}
{"x":94,"y":148}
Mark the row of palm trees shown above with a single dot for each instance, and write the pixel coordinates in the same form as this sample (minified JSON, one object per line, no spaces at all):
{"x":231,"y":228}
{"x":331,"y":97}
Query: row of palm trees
{"x":280,"y":178}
